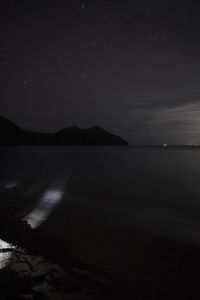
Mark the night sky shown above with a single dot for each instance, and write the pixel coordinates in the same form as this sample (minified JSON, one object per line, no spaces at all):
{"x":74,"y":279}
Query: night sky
{"x":130,"y":66}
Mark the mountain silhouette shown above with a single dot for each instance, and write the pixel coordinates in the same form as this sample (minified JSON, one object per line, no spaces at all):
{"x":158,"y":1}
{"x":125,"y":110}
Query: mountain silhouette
{"x":12,"y":135}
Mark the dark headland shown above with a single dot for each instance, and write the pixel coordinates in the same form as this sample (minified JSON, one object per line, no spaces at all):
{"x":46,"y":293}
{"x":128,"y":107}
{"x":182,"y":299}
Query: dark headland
{"x":12,"y":135}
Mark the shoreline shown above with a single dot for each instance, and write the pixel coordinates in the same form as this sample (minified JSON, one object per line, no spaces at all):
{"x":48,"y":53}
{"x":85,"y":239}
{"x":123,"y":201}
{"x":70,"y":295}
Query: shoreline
{"x":77,"y":279}
{"x":38,"y":272}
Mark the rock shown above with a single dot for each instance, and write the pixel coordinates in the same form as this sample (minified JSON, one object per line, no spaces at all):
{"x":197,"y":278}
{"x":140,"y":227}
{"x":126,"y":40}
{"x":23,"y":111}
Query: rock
{"x":12,"y":135}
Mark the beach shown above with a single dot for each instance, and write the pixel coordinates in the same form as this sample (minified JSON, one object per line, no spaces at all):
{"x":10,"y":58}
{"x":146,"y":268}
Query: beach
{"x":117,"y":228}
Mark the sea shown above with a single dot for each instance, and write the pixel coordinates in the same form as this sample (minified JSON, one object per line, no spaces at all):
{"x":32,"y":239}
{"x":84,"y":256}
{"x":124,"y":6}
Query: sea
{"x":131,"y":213}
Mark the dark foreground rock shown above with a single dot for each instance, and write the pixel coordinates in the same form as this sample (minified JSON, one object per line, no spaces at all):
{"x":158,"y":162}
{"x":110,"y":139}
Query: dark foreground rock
{"x":27,"y":276}
{"x":12,"y":135}
{"x":25,"y":273}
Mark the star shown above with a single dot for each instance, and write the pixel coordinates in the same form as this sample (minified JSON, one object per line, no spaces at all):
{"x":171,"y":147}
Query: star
{"x":132,"y":43}
{"x":152,"y":36}
{"x":59,"y":56}
{"x":25,"y":82}
{"x":82,"y":6}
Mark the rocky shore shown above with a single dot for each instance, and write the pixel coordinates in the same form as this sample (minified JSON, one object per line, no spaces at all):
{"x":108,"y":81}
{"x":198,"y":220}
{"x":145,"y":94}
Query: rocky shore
{"x":26,"y":274}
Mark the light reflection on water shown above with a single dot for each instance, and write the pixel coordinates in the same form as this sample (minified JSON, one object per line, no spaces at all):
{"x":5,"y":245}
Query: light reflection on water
{"x":11,"y":185}
{"x":5,"y":253}
{"x":155,"y":190}
{"x":47,"y":203}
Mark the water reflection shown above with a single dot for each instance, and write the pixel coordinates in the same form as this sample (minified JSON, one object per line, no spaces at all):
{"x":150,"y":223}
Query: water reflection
{"x":5,"y":253}
{"x":11,"y":185}
{"x":46,"y":205}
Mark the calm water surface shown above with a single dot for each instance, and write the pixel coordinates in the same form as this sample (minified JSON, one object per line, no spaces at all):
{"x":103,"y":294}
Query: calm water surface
{"x":134,"y":213}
